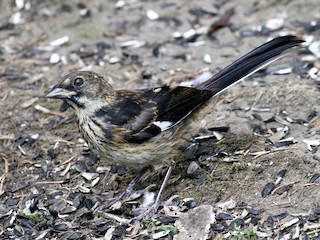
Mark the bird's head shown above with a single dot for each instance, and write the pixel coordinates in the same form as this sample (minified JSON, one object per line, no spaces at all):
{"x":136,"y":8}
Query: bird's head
{"x":83,"y":89}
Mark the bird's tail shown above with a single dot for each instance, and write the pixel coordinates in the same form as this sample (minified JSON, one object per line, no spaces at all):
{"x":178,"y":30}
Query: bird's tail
{"x":250,"y":63}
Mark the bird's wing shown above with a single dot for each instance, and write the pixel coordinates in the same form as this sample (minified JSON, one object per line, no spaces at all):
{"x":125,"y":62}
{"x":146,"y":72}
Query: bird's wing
{"x":175,"y":103}
{"x":144,"y":114}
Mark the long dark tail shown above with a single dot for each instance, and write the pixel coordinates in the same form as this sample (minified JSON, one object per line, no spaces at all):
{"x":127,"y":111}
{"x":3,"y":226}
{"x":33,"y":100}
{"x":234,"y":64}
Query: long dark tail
{"x":250,"y":63}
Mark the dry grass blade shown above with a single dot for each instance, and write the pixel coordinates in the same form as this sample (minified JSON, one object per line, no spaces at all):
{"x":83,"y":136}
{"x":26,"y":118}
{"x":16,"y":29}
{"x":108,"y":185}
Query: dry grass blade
{"x":263,"y":153}
{"x":3,"y":177}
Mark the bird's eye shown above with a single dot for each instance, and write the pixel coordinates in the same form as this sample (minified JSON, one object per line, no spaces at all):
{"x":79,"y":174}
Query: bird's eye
{"x":78,"y":82}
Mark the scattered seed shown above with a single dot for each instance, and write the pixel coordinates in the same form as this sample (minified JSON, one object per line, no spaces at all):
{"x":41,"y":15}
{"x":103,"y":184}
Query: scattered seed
{"x":280,"y":176}
{"x":314,"y":177}
{"x":279,"y":70}
{"x":132,"y":44}
{"x":189,"y":203}
{"x":290,"y":223}
{"x":224,"y":216}
{"x":59,"y":41}
{"x":29,"y":102}
{"x":89,"y":176}
{"x":41,"y":109}
{"x":236,"y":223}
{"x":268,"y":188}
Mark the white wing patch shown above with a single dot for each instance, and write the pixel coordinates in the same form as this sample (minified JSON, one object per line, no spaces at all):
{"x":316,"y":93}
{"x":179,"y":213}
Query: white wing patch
{"x":163,"y":125}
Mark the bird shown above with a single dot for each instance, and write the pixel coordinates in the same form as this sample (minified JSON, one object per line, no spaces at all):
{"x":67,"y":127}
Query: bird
{"x":145,"y":127}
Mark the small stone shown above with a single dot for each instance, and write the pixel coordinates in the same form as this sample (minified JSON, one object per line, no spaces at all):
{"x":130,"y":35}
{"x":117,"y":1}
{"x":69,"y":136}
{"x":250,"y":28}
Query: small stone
{"x":193,"y":167}
{"x":19,"y":4}
{"x":195,"y":224}
{"x":207,"y":59}
{"x":274,"y":24}
{"x":114,"y":60}
{"x":120,"y":4}
{"x":189,"y":34}
{"x":54,"y":58}
{"x":152,"y":15}
{"x":16,"y":18}
{"x":177,"y":35}
{"x":231,"y":204}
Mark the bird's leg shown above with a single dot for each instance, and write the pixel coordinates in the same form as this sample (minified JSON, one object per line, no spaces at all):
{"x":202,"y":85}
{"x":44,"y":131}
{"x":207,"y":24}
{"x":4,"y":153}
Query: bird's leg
{"x":126,"y":193}
{"x":149,"y":211}
{"x":163,"y":186}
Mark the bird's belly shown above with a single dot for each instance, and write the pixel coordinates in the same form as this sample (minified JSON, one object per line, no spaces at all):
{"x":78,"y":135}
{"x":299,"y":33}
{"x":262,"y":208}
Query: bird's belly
{"x":138,"y":156}
{"x":160,"y":150}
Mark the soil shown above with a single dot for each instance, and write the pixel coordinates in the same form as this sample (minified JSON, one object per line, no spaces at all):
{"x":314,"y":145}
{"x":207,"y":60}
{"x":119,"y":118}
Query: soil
{"x":41,"y":153}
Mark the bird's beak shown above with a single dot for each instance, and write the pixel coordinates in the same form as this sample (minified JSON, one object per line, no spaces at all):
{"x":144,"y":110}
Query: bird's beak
{"x":61,"y":93}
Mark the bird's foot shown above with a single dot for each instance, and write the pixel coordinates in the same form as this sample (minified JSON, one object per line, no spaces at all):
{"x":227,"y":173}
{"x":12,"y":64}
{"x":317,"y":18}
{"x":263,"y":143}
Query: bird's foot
{"x":146,"y":212}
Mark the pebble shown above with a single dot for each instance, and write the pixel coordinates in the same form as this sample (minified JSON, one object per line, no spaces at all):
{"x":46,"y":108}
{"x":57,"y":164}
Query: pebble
{"x":230,"y":204}
{"x":193,"y":167}
{"x":196,"y":223}
{"x":16,"y":18}
{"x":207,"y":59}
{"x":19,"y":4}
{"x":54,"y":58}
{"x":152,"y":15}
{"x":274,"y":23}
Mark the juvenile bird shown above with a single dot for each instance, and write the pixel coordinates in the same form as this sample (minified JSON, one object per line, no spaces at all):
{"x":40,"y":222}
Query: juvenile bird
{"x":140,"y":128}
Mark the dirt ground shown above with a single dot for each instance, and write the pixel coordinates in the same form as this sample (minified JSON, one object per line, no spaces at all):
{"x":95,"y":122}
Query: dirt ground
{"x":42,"y":164}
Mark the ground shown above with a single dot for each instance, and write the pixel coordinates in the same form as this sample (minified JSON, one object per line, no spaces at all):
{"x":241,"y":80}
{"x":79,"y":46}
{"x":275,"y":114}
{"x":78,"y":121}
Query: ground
{"x":50,"y":188}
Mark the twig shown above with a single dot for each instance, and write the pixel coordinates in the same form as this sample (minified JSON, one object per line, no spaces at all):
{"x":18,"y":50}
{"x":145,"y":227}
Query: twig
{"x":22,"y":150}
{"x":116,"y":218}
{"x":279,"y":187}
{"x":6,"y":95}
{"x":230,"y":98}
{"x":260,"y":154}
{"x":65,"y":141}
{"x":50,"y":182}
{"x":67,"y":161}
{"x":314,"y":231}
{"x":7,"y":137}
{"x":281,"y":204}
